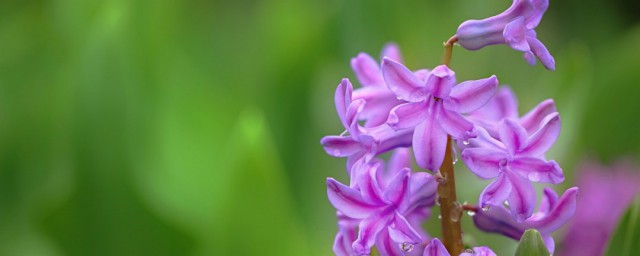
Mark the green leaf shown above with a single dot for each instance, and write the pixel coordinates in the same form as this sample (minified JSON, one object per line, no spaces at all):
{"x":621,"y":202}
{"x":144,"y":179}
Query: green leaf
{"x":627,"y":234}
{"x":531,"y":244}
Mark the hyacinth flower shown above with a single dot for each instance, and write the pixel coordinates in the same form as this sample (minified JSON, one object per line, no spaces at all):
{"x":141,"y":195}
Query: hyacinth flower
{"x":436,"y":248}
{"x":434,"y":108}
{"x":514,"y":27}
{"x":386,"y":210}
{"x":374,"y":90}
{"x":514,"y":162}
{"x":597,"y":212}
{"x":552,"y":214}
{"x":361,"y":144}
{"x":505,"y":105}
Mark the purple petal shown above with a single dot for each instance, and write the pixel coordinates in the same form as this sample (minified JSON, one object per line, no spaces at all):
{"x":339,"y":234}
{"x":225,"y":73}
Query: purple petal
{"x":484,"y":162}
{"x":512,"y":135}
{"x":392,"y":51}
{"x":497,"y":192}
{"x":423,"y":190}
{"x":343,"y":241}
{"x":440,"y":81}
{"x":514,"y":35}
{"x":429,"y":144}
{"x":498,"y":220}
{"x":340,"y":146}
{"x":542,"y":53}
{"x":400,"y":159}
{"x":471,"y":95}
{"x":348,"y":200}
{"x":480,"y":251}
{"x":369,"y":185}
{"x":342,"y":100}
{"x":366,"y":69}
{"x":544,"y":137}
{"x":402,"y":232}
{"x":537,"y":170}
{"x":397,"y":191}
{"x":435,"y":248}
{"x":386,"y":246}
{"x":402,"y":81}
{"x":407,"y":115}
{"x":533,"y":119}
{"x":559,"y":215}
{"x":456,"y":125}
{"x":549,"y":200}
{"x":548,"y":241}
{"x":485,"y":140}
{"x":522,"y":198}
{"x":353,"y":110}
{"x":529,"y":57}
{"x":539,"y":8}
{"x":369,"y":229}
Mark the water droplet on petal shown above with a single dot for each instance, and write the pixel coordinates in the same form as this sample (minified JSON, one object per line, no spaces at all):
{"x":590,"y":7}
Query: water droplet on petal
{"x":506,"y":203}
{"x":465,"y":142}
{"x":336,"y":152}
{"x":471,"y":213}
{"x":399,"y":98}
{"x":534,"y":176}
{"x":486,"y":208}
{"x":407,"y":247}
{"x":468,"y":251}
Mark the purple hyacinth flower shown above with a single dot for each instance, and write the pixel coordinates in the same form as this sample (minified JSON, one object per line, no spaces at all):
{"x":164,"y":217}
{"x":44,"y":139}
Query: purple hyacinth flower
{"x":436,"y":248}
{"x":552,"y":214}
{"x":514,"y":162}
{"x":606,"y":192}
{"x":362,"y":143}
{"x":387,"y":210}
{"x":505,"y":105}
{"x":374,"y":90}
{"x":514,"y":27}
{"x":434,"y":108}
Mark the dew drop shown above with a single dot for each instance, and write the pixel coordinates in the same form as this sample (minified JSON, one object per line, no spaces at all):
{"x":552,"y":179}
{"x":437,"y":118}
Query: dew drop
{"x":399,"y":98}
{"x":471,"y":213}
{"x":506,"y":203}
{"x":406,"y":247}
{"x":465,"y":142}
{"x":437,"y":200}
{"x":439,"y":216}
{"x":336,"y":152}
{"x":468,"y":251}
{"x":534,"y":176}
{"x":486,"y":208}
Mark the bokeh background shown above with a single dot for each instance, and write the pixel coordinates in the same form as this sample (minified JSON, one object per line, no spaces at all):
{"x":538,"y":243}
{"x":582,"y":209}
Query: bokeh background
{"x":157,"y":127}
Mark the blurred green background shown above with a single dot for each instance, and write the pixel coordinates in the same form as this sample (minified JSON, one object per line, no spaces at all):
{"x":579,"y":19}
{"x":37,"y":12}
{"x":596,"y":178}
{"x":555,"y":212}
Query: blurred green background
{"x":192,"y":127}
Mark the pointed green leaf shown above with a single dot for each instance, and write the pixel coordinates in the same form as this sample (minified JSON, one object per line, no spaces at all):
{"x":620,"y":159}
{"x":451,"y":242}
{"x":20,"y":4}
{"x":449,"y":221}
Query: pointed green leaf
{"x":627,"y":234}
{"x":531,"y":244}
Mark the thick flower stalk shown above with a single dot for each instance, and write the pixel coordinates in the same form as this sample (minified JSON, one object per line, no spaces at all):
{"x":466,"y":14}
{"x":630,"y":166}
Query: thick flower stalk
{"x":513,"y":27}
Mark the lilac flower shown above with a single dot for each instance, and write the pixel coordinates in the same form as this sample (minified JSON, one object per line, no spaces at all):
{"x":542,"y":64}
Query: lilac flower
{"x":514,"y":162}
{"x":436,"y":248}
{"x":514,"y":27}
{"x":361,"y":144}
{"x":505,"y":105}
{"x":434,"y":108}
{"x":606,"y":193}
{"x":384,"y":207}
{"x":374,"y":90}
{"x":552,"y":214}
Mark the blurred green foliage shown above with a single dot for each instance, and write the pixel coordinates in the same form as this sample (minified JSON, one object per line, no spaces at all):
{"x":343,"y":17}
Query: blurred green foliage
{"x":192,"y":127}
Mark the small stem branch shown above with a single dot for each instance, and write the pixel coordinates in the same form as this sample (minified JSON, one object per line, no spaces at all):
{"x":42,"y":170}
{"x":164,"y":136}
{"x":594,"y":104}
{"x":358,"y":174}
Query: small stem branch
{"x":450,"y":208}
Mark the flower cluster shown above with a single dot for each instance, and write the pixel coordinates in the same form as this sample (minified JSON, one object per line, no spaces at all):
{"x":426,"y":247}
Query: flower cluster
{"x":414,"y":114}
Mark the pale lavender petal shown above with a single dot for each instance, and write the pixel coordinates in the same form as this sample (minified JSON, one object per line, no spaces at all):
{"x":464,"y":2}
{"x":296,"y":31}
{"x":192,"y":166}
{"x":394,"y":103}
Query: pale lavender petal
{"x":471,"y":95}
{"x":348,"y":200}
{"x":480,"y":251}
{"x":559,"y":215}
{"x":392,"y":51}
{"x":545,"y":137}
{"x":514,"y":35}
{"x":496,"y":192}
{"x":340,"y":146}
{"x":512,"y":135}
{"x":537,"y":170}
{"x":429,"y":144}
{"x":407,"y":115}
{"x":542,"y":53}
{"x":539,"y":8}
{"x":342,"y":99}
{"x":456,"y":125}
{"x":422,"y":74}
{"x":485,"y":140}
{"x":369,"y":185}
{"x":484,"y":162}
{"x":386,"y":246}
{"x":533,"y":119}
{"x":424,"y":189}
{"x":435,"y":248}
{"x":498,"y":220}
{"x":402,"y":232}
{"x":522,"y":198}
{"x":550,"y":243}
{"x":366,"y":69}
{"x":549,"y":200}
{"x":369,"y":229}
{"x":440,"y":81}
{"x":351,"y":118}
{"x":400,"y":159}
{"x":402,"y":81}
{"x":343,"y":241}
{"x":397,"y":192}
{"x":529,"y":57}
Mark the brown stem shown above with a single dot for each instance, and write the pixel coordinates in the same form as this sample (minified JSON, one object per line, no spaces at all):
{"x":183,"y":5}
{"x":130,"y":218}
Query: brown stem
{"x":450,"y":208}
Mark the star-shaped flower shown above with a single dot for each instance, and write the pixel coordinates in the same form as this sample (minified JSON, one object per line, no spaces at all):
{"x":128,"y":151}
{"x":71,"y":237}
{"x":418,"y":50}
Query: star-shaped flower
{"x":514,"y":162}
{"x":434,"y":108}
{"x":514,"y":27}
